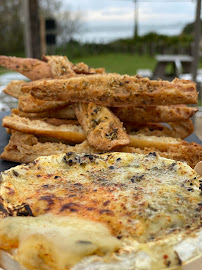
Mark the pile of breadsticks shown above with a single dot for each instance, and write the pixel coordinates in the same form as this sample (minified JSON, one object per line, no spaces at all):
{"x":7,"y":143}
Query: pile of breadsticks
{"x":69,"y":107}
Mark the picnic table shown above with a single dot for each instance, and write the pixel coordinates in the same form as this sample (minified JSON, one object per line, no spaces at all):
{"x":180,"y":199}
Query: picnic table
{"x":170,"y":66}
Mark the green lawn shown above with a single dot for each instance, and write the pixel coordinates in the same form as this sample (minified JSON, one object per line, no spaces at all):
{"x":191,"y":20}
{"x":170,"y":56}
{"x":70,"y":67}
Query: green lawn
{"x":3,"y":70}
{"x":120,"y":63}
{"x":115,"y":62}
{"x":123,"y":63}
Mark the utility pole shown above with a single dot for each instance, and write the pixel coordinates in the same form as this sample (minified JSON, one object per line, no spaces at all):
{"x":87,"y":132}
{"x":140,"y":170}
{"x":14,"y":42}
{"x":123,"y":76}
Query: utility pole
{"x":32,"y":28}
{"x":196,"y":40}
{"x":136,"y":18}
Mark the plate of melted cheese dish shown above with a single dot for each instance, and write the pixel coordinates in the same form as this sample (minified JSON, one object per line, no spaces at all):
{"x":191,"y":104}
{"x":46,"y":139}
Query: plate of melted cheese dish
{"x":101,"y":211}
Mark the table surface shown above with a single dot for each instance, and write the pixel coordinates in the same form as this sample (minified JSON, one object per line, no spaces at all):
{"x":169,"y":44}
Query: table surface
{"x":4,"y":138}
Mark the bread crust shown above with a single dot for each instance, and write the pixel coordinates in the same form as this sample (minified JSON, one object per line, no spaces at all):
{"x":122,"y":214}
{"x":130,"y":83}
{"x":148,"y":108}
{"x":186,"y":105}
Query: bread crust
{"x":166,"y":114}
{"x":68,"y":132}
{"x":114,"y":90}
{"x":171,"y":113}
{"x":66,"y":112}
{"x":103,"y":129}
{"x":27,"y":103}
{"x":33,"y":69}
{"x":82,"y":68}
{"x":60,"y":65}
{"x":14,"y":88}
{"x":51,"y":66}
{"x":191,"y":153}
{"x":24,"y":148}
{"x":162,"y":143}
{"x":181,"y":129}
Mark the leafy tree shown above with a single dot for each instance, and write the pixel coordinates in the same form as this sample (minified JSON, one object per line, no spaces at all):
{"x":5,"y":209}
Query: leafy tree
{"x":12,"y":23}
{"x":11,"y":26}
{"x":189,"y":28}
{"x":69,"y":24}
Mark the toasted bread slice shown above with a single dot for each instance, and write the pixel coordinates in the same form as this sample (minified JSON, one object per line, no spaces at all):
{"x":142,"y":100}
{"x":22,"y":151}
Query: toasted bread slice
{"x":162,"y":143}
{"x":14,"y":89}
{"x":60,"y":65}
{"x":33,"y":69}
{"x":75,"y":133}
{"x":114,"y":90}
{"x":51,"y":67}
{"x":58,"y":121}
{"x":172,"y":113}
{"x":82,"y":68}
{"x":181,"y":129}
{"x":68,"y":132}
{"x":28,"y":103}
{"x":103,"y":129}
{"x":25,"y":148}
{"x":191,"y":153}
{"x":166,"y":114}
{"x":66,"y":112}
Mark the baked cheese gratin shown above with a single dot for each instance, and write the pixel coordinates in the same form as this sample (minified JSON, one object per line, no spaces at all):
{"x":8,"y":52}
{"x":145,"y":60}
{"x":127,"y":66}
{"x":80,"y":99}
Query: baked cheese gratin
{"x":100,"y":211}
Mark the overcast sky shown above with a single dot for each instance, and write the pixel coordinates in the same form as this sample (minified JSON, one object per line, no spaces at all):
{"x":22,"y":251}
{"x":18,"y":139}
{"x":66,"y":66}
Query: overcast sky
{"x":105,"y":20}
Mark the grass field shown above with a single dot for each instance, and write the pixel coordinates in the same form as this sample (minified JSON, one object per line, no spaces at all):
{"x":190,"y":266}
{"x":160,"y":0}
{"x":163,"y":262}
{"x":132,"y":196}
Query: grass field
{"x":3,"y":70}
{"x":118,"y":62}
{"x":123,"y":63}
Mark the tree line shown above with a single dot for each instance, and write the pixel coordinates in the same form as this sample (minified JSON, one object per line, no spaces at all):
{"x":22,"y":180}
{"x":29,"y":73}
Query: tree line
{"x":12,"y":34}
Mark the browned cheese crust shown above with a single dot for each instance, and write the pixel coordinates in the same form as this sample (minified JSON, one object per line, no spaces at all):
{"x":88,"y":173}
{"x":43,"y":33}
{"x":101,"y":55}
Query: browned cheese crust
{"x":114,"y":90}
{"x":103,"y":129}
{"x":33,"y":69}
{"x":155,"y":113}
{"x":109,"y":190}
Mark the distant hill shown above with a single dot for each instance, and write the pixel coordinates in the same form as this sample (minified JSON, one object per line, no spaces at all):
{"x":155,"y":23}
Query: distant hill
{"x":189,"y":28}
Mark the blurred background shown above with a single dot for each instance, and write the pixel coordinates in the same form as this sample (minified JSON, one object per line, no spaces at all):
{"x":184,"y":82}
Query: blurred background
{"x":154,"y":38}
